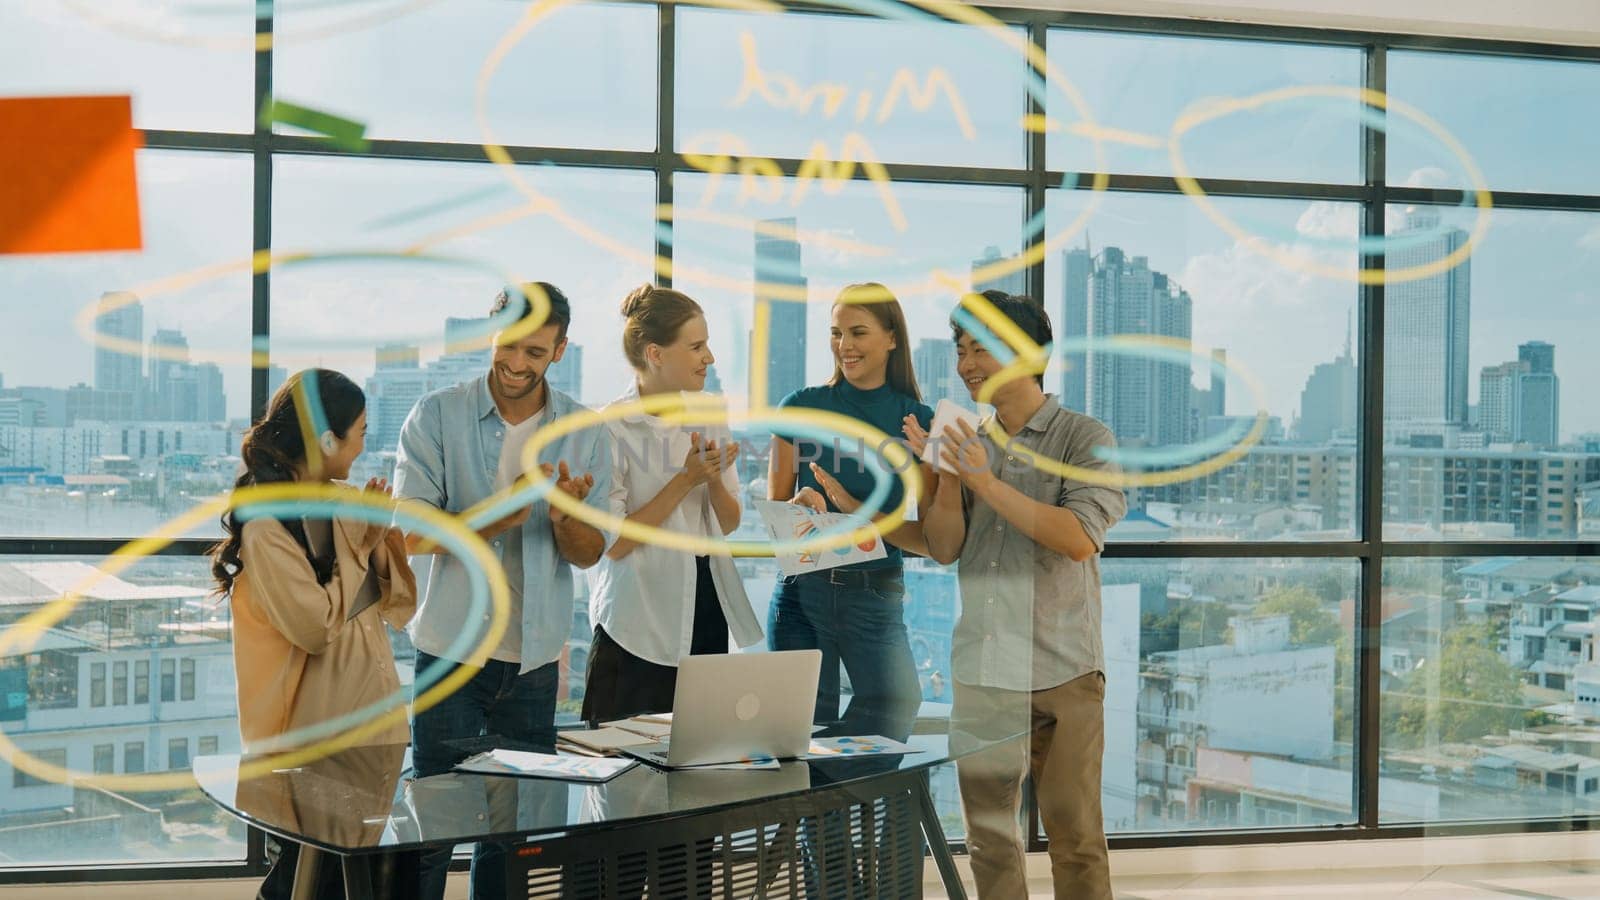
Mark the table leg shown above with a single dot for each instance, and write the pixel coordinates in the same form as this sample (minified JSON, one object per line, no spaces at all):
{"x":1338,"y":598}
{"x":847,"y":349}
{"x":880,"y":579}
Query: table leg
{"x":937,"y":844}
{"x":358,"y":878}
{"x":307,"y":864}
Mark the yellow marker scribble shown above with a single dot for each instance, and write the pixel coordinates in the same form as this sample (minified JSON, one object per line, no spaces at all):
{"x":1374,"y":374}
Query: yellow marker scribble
{"x":1216,"y":107}
{"x":22,"y":635}
{"x":782,"y":91}
{"x":1032,"y":360}
{"x":835,"y":173}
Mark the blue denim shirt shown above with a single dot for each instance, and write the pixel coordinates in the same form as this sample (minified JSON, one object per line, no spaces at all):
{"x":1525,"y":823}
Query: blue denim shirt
{"x":448,"y":458}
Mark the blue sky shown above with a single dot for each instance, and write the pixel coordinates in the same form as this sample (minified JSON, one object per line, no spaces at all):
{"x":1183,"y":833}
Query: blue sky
{"x":585,"y":78}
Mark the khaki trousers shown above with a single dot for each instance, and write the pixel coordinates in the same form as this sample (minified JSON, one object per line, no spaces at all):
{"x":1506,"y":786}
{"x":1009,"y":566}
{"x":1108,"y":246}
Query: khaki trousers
{"x":1066,"y":726}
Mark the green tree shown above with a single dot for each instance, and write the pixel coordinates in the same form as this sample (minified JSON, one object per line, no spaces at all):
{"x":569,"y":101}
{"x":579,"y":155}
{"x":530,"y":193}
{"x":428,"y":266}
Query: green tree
{"x":1186,"y":623}
{"x":1310,"y":622}
{"x":1468,"y":692}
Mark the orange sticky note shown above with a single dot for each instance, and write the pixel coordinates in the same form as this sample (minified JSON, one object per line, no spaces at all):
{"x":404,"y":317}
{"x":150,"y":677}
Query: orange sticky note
{"x":67,"y":179}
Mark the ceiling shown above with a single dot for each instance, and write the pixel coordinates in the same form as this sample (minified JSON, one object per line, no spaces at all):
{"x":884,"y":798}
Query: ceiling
{"x":1573,"y":22}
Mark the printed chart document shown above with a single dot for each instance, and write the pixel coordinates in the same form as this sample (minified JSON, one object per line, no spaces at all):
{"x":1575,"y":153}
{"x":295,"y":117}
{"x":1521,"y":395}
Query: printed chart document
{"x":947,"y":413}
{"x":865,"y":745}
{"x":789,"y":521}
{"x":545,"y":765}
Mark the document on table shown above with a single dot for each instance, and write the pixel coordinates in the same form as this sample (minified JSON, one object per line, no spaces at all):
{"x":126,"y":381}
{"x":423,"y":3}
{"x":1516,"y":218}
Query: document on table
{"x":545,"y":765}
{"x":863,"y":745}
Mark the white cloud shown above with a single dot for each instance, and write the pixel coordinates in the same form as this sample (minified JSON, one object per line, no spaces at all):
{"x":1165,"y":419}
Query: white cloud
{"x":1591,"y":239}
{"x":1428,"y":177}
{"x":1326,"y":219}
{"x":1276,"y":318}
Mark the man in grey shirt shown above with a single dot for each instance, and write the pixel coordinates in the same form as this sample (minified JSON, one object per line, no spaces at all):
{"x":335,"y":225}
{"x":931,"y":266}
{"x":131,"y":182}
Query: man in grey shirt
{"x":1027,"y":654}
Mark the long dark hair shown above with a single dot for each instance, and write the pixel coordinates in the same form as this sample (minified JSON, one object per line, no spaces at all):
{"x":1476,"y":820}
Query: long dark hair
{"x":274,"y":446}
{"x":881,"y":303}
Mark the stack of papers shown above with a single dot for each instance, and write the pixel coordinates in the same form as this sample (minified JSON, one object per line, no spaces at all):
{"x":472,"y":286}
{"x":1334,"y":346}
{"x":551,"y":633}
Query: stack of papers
{"x":606,"y":741}
{"x":648,"y":727}
{"x":545,"y":765}
{"x":867,"y":745}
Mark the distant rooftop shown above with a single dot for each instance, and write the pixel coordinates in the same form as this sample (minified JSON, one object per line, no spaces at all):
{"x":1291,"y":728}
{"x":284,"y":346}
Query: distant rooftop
{"x":25,"y":583}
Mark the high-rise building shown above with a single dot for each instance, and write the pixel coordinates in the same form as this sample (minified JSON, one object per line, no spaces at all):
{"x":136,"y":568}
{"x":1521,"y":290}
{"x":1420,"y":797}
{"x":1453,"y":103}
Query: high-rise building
{"x":468,"y":339}
{"x":566,"y":376}
{"x":397,"y":356}
{"x":212,"y":405}
{"x":1014,"y":282}
{"x":1427,"y":323}
{"x":173,"y":390}
{"x":118,"y":368}
{"x":935,"y":363}
{"x":392,"y":392}
{"x":1212,"y":402}
{"x":1520,"y":401}
{"x":276,"y":376}
{"x":1540,"y":357}
{"x":1328,"y":403}
{"x":1073,"y":326}
{"x":777,"y":264}
{"x":1497,"y":400}
{"x":1173,"y":316}
{"x":1539,"y":400}
{"x":1143,"y":401}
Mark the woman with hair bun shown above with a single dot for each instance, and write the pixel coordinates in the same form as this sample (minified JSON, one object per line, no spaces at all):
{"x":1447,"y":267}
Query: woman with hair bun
{"x":311,"y":594}
{"x":652,"y":606}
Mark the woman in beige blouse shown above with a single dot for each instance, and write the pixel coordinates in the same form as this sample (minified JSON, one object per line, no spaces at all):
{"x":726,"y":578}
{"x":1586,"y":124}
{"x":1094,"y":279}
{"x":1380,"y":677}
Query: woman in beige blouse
{"x":311,"y":596}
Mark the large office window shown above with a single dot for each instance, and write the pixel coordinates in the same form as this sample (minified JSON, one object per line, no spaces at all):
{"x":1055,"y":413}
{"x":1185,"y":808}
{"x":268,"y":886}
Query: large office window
{"x":1236,"y":596}
{"x":1489,"y":670}
{"x":1488,"y":432}
{"x":158,"y":619}
{"x":1229,"y":693}
{"x":751,"y":84}
{"x":122,"y":49}
{"x":112,"y":429}
{"x":1538,"y":140}
{"x":1238,"y":109}
{"x":1190,"y":346}
{"x":579,"y":78}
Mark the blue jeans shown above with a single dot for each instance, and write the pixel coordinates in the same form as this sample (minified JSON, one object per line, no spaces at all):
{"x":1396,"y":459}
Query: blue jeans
{"x":855,"y":617}
{"x":497,"y":702}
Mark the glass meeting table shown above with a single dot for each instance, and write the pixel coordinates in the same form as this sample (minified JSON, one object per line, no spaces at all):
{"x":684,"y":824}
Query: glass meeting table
{"x":842,"y":827}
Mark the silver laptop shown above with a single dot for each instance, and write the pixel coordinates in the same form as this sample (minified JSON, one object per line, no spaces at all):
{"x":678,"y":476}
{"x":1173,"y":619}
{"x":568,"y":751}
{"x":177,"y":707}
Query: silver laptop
{"x":730,"y":706}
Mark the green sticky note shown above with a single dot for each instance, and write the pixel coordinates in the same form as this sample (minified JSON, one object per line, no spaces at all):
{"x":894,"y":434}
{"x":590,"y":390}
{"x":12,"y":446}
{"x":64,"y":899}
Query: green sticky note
{"x":341,"y":132}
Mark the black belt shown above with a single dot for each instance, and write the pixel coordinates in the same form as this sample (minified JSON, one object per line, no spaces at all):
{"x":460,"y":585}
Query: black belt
{"x":859,"y":577}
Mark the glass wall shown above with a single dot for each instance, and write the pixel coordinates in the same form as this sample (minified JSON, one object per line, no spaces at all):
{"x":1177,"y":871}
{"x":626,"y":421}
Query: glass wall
{"x":924,"y":154}
{"x":136,"y":679}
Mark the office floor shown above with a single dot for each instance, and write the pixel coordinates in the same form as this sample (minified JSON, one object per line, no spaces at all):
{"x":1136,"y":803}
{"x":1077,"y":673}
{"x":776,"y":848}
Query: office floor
{"x":1526,"y":881}
{"x":1518,"y":880}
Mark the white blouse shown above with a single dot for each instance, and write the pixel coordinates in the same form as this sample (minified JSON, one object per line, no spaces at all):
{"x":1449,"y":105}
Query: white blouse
{"x":645,"y":601}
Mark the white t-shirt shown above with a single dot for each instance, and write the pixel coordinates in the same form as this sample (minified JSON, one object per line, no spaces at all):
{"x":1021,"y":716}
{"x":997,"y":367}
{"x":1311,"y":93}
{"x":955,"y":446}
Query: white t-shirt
{"x":516,"y":436}
{"x":645,"y":601}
